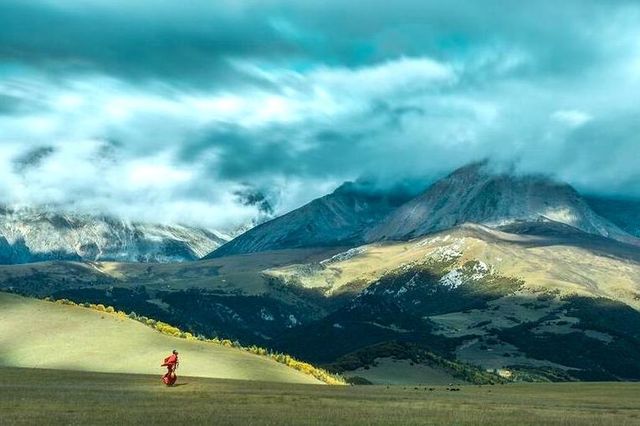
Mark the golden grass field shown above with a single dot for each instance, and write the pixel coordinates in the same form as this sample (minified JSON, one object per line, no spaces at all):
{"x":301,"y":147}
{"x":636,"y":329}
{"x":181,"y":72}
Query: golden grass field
{"x":544,"y":264}
{"x":39,"y":334}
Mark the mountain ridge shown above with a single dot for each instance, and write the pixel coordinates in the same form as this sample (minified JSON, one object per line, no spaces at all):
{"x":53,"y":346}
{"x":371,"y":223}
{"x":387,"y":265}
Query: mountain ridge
{"x":38,"y":234}
{"x":471,"y":194}
{"x":335,"y":219}
{"x":476,"y":194}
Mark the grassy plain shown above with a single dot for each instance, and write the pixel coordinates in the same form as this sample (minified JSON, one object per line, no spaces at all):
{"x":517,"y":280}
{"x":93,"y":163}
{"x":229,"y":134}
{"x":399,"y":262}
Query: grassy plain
{"x":32,"y":396}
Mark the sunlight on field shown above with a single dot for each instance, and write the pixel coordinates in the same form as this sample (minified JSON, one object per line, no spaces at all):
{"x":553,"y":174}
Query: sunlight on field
{"x":39,"y":334}
{"x":540,"y":263}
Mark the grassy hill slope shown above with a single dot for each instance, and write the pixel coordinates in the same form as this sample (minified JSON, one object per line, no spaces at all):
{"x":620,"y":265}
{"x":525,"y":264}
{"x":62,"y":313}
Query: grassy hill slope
{"x":570,"y":264}
{"x":557,"y":305}
{"x":40,"y":334}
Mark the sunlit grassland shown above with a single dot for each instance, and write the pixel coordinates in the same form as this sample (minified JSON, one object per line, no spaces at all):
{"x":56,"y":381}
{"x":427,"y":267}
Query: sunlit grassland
{"x":35,"y":333}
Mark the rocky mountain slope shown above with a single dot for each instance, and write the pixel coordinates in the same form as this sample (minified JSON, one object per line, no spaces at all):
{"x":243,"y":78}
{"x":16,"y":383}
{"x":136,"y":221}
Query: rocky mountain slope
{"x":31,"y":235}
{"x":476,"y":194}
{"x":538,"y":304}
{"x":472,"y":194}
{"x":625,"y":213}
{"x":337,"y":219}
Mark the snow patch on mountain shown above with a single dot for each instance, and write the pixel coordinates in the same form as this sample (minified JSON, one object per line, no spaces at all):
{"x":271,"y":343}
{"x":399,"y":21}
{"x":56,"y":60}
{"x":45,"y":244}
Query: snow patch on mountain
{"x":345,"y":255}
{"x":448,"y":252}
{"x":453,"y":279}
{"x":479,"y":270}
{"x":458,"y":276}
{"x":30,"y":235}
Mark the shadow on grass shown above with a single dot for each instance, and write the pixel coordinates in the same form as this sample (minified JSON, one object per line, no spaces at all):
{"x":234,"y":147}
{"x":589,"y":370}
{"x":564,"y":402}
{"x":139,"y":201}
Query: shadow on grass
{"x":550,"y":234}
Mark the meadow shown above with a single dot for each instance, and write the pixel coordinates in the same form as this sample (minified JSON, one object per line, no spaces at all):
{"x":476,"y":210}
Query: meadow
{"x":39,"y":334}
{"x":33,"y":396}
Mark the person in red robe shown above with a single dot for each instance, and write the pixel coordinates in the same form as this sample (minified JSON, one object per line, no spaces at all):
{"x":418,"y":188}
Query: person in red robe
{"x":171,"y":362}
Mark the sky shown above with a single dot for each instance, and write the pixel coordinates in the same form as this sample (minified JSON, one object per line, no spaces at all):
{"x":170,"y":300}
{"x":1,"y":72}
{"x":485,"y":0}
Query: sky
{"x":174,"y":111}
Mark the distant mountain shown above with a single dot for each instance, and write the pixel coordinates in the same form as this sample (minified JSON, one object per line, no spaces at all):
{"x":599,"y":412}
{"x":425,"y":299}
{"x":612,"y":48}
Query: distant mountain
{"x":476,"y":194}
{"x":337,"y":219}
{"x":355,"y":213}
{"x":31,"y":235}
{"x":625,"y":213}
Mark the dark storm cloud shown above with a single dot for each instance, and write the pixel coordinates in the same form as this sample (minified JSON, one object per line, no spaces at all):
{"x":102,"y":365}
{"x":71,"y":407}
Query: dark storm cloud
{"x":147,"y":40}
{"x":332,"y":149}
{"x":192,"y":42}
{"x":185,"y":105}
{"x":604,"y":155}
{"x":32,"y":158}
{"x":10,"y":104}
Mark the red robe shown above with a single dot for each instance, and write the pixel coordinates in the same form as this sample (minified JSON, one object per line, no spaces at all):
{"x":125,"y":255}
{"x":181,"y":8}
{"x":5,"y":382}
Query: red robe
{"x":171,"y":362}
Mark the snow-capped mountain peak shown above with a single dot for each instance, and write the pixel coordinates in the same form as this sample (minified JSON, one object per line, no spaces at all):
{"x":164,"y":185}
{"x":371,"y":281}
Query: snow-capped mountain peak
{"x":32,"y":234}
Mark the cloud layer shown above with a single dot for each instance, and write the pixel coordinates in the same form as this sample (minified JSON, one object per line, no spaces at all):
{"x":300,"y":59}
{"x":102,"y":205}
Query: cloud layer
{"x":159,"y":111}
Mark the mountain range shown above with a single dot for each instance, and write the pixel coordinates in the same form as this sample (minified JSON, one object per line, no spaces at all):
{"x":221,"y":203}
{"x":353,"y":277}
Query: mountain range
{"x":338,"y":219}
{"x":475,"y":193}
{"x":354,"y":214}
{"x":33,"y":235}
{"x":484,"y":275}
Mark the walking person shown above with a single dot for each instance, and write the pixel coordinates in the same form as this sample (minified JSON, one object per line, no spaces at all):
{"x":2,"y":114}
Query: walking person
{"x":171,"y":362}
